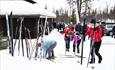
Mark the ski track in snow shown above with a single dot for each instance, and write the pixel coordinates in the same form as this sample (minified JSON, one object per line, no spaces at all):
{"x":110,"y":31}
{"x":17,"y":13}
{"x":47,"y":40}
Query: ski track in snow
{"x":62,"y":61}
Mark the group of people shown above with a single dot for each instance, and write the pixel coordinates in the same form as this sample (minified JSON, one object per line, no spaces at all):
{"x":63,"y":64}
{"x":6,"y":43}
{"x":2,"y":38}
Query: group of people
{"x":71,"y":33}
{"x":95,"y":32}
{"x":93,"y":29}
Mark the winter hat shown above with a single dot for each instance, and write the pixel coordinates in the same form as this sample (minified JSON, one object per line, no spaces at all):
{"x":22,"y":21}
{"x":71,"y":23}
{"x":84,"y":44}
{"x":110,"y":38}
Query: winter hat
{"x":93,"y":21}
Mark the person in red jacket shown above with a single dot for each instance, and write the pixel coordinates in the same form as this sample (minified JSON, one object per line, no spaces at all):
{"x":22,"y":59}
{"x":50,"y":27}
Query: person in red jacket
{"x":95,"y":34}
{"x":67,"y":38}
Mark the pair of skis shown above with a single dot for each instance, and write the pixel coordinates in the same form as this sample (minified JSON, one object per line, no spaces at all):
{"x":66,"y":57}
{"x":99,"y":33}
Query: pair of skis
{"x":42,"y":41}
{"x":16,"y":33}
{"x":20,"y":37}
{"x":27,"y":34}
{"x":35,"y":45}
{"x":8,"y":33}
{"x":35,"y":48}
{"x":11,"y":44}
{"x":23,"y":31}
{"x":9,"y":25}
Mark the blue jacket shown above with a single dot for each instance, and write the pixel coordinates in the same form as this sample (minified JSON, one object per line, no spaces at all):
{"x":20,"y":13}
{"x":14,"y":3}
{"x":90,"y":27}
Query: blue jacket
{"x":47,"y":44}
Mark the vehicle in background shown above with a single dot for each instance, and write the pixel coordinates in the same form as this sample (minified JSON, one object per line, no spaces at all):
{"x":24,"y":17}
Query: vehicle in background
{"x":108,"y":28}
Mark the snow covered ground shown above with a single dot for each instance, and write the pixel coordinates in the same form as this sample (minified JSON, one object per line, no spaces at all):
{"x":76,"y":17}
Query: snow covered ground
{"x":68,"y":62}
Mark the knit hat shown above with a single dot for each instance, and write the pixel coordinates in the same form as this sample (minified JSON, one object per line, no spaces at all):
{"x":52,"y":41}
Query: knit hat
{"x":93,"y":21}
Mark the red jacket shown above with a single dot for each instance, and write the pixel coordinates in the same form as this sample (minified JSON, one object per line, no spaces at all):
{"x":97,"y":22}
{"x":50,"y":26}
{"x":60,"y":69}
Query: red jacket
{"x":96,"y":36}
{"x":66,"y":30}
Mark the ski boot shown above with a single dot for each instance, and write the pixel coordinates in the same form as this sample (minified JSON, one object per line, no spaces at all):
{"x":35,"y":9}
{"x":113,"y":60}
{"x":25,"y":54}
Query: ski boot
{"x":92,"y":61}
{"x":100,"y":60}
{"x":49,"y":58}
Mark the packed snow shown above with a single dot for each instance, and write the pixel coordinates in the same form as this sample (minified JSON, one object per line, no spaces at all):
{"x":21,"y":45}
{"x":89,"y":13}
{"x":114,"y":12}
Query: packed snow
{"x":62,"y":61}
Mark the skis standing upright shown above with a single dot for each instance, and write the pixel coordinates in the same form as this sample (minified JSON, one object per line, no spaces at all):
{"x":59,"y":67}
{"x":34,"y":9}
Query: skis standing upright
{"x":20,"y":35}
{"x":8,"y":33}
{"x":38,"y":35}
{"x":22,"y":40}
{"x":11,"y":33}
{"x":42,"y":38}
{"x":29,"y":35}
{"x":16,"y":34}
{"x":27,"y":42}
{"x":35,"y":46}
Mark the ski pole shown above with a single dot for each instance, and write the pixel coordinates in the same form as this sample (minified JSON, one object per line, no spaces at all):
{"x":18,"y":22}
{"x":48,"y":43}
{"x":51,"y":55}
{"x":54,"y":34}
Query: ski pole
{"x":83,"y":39}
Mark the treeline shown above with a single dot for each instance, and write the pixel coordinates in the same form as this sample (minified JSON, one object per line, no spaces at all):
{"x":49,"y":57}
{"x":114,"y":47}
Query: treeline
{"x":62,"y":15}
{"x":103,"y":15}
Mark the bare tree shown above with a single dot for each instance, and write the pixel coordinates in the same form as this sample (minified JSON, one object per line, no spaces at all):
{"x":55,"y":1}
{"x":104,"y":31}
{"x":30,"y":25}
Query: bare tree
{"x":112,"y":13}
{"x":81,"y":5}
{"x":62,"y":16}
{"x":73,"y":17}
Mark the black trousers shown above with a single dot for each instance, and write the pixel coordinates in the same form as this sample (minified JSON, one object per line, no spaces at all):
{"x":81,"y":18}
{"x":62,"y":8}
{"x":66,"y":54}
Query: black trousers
{"x":95,"y":49}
